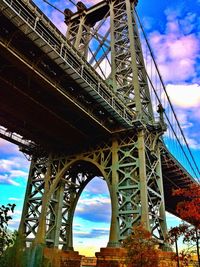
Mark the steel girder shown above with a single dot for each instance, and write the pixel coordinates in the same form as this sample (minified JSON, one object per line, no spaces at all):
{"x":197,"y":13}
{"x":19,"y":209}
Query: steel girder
{"x":136,"y":191}
{"x":79,"y":35}
{"x":129,"y":162}
{"x":128,"y":69}
{"x":128,"y":76}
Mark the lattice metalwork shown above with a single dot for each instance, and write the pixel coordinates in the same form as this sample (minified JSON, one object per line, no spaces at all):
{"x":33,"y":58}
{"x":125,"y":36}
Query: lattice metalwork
{"x":127,"y":156}
{"x":128,"y":70}
{"x":89,"y":32}
{"x":129,"y":161}
{"x":119,"y":46}
{"x":33,"y":198}
{"x":78,"y":32}
{"x":56,"y":183}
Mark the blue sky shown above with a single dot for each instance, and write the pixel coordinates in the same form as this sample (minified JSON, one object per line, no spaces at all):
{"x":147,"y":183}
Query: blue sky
{"x":173,"y":29}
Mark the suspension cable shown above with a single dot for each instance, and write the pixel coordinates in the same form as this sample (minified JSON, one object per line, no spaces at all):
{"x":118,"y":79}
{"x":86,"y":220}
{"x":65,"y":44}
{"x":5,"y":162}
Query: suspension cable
{"x":152,"y":55}
{"x":54,"y":6}
{"x":72,"y":2}
{"x":161,"y":80}
{"x":171,"y":126}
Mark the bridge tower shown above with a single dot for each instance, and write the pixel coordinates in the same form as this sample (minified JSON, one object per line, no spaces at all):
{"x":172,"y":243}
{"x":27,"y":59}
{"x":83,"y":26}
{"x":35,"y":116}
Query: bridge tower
{"x":128,"y":159}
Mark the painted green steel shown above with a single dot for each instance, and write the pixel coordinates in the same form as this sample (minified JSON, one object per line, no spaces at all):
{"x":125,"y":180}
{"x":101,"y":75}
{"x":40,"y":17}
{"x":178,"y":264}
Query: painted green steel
{"x":128,"y":70}
{"x":129,"y":161}
{"x":56,"y":183}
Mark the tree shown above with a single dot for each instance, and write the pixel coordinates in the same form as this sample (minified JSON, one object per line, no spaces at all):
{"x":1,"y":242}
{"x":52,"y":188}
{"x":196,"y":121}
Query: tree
{"x":189,"y":210}
{"x":173,"y":235}
{"x":141,"y":248}
{"x":6,"y":238}
{"x":185,"y":258}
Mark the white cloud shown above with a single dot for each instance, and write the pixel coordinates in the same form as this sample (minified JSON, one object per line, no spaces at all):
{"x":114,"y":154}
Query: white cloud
{"x":91,"y":2}
{"x":94,"y":209}
{"x":177,"y":49}
{"x":193,"y":143}
{"x":58,"y":20}
{"x":93,"y":233}
{"x":185,"y":96}
{"x":15,"y":221}
{"x":18,"y":173}
{"x":97,"y":186}
{"x":148,"y":22}
{"x":15,"y":199}
{"x":184,"y":47}
{"x":5,"y":179}
{"x":13,"y":169}
{"x":18,"y":162}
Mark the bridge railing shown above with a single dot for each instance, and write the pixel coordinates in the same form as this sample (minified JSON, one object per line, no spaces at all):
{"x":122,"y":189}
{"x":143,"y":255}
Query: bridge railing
{"x":40,"y":24}
{"x":15,"y":138}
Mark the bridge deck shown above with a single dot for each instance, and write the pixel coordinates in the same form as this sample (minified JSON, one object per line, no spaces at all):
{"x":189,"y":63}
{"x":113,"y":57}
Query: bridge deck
{"x":62,"y":93}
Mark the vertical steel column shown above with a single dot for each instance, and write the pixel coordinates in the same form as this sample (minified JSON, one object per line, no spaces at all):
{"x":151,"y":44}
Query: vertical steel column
{"x":130,"y":83}
{"x":163,"y":222}
{"x":58,"y":212}
{"x":140,"y":82}
{"x":113,"y":56}
{"x":41,"y":231}
{"x":23,"y":222}
{"x":128,"y":69}
{"x":33,"y":198}
{"x":135,"y":72}
{"x":143,"y":181}
{"x":69,"y":225}
{"x":78,"y":33}
{"x":114,"y":227}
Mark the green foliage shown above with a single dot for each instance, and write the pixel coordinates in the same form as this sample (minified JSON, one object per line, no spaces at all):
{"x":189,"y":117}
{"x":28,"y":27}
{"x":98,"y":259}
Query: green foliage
{"x":14,"y":255}
{"x":141,"y":248}
{"x":6,"y":237}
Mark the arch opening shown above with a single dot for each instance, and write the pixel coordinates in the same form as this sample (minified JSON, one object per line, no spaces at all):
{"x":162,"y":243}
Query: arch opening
{"x":91,"y":221}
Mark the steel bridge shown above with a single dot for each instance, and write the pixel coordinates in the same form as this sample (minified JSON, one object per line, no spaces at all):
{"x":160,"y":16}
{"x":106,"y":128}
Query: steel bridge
{"x":76,"y":123}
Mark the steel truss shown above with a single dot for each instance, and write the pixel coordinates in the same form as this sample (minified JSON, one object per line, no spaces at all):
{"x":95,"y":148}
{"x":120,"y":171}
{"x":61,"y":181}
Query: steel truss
{"x":129,"y":162}
{"x":128,"y":70}
{"x":128,"y":75}
{"x":56,"y":183}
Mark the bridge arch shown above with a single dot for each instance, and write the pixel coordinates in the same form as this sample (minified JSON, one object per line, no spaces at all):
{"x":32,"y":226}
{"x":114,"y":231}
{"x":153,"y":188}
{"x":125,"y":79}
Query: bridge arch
{"x":76,"y":175}
{"x":56,"y":183}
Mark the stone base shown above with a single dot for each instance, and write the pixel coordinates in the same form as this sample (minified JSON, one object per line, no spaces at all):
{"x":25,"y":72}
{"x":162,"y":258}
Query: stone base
{"x":60,"y":258}
{"x":111,"y":257}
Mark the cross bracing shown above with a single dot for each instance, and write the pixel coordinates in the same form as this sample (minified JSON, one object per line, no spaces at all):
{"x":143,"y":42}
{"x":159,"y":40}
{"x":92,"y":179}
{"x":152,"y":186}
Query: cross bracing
{"x":148,"y":72}
{"x":124,"y":106}
{"x":102,"y":54}
{"x":65,"y":56}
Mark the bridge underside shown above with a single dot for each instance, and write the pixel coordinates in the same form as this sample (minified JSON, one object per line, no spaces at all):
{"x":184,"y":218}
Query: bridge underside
{"x":38,"y":110}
